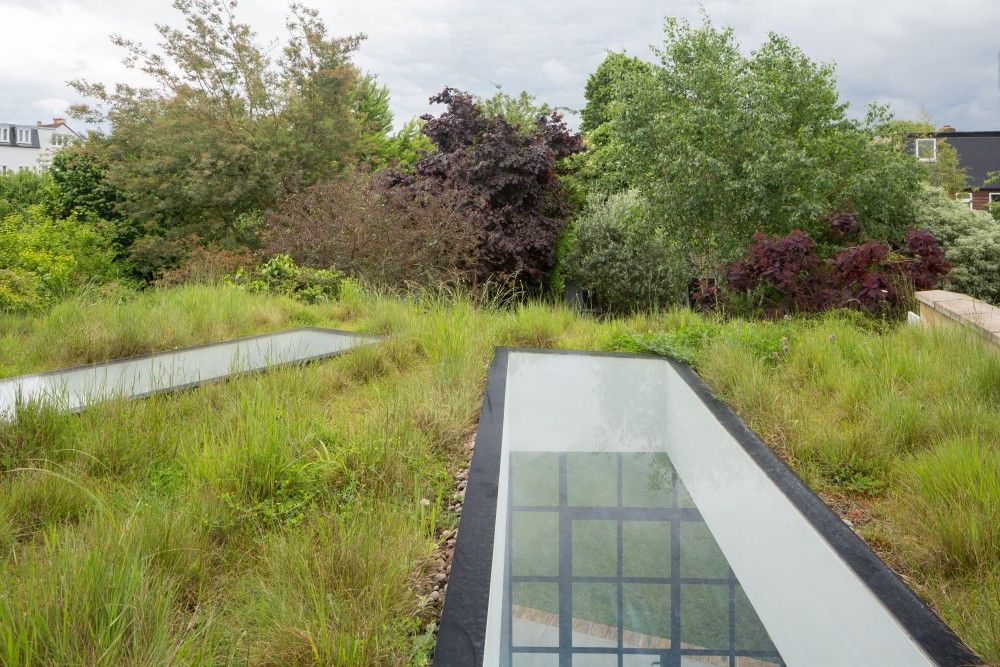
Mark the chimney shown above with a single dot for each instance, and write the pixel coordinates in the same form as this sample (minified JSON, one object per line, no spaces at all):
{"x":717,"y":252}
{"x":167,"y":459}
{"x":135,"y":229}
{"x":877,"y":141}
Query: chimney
{"x":946,"y":129}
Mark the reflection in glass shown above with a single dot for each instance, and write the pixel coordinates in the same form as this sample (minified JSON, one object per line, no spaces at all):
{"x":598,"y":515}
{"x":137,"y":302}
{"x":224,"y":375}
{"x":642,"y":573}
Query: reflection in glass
{"x":609,"y":558}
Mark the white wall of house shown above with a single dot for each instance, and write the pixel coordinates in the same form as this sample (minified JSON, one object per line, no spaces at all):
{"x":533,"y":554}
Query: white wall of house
{"x":26,"y":156}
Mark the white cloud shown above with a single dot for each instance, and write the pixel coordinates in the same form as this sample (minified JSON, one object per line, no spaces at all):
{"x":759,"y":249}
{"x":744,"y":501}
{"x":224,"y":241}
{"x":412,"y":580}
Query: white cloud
{"x":909,"y":53}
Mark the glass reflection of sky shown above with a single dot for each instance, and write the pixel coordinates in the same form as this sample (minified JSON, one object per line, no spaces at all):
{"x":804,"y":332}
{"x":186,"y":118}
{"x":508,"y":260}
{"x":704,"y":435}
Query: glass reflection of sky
{"x":74,"y":389}
{"x":633,"y":530}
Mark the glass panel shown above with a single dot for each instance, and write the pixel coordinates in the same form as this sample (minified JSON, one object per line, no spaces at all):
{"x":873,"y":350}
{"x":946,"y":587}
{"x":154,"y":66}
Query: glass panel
{"x":534,"y":541}
{"x":646,"y":549}
{"x":595,"y":548}
{"x":646,"y":613}
{"x":535,"y":614}
{"x":73,"y":389}
{"x":625,"y":506}
{"x":595,"y":615}
{"x":592,"y":479}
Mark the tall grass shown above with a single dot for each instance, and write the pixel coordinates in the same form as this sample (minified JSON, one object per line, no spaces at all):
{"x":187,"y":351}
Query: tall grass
{"x":284,"y":518}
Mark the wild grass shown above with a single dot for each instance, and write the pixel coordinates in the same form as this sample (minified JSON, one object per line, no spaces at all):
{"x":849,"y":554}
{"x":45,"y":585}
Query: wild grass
{"x":284,"y":518}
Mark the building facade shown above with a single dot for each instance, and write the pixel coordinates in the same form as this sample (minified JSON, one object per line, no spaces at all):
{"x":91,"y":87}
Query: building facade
{"x":978,"y":154}
{"x":31,"y":147}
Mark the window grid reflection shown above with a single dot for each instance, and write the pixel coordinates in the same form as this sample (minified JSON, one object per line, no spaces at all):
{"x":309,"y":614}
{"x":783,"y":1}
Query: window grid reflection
{"x":592,"y":575}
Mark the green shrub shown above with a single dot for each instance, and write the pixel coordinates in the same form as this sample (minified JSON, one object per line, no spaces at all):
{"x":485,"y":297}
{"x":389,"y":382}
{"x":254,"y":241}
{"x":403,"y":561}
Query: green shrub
{"x":281,"y":275}
{"x":621,"y":258}
{"x":23,"y":189}
{"x":971,"y":240}
{"x":44,"y":259}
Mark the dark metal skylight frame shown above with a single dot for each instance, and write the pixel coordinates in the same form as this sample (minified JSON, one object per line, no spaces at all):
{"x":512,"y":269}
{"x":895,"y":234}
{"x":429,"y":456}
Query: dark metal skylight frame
{"x":462,"y":633}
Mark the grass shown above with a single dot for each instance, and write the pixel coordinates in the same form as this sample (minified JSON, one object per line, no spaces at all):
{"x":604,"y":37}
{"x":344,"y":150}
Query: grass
{"x":287,"y":517}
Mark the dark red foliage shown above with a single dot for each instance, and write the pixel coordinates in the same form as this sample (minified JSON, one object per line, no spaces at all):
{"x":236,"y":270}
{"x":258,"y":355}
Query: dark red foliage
{"x":507,"y":180}
{"x":780,"y":261}
{"x":844,"y":224}
{"x":788,"y":275}
{"x":928,"y":263}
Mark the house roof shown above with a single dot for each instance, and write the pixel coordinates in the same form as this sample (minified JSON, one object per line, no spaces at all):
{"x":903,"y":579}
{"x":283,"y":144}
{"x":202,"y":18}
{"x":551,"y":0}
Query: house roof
{"x":12,"y":136}
{"x":978,"y":153}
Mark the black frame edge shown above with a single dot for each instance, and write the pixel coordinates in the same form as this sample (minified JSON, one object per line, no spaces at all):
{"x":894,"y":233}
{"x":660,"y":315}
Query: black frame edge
{"x":463,"y":620}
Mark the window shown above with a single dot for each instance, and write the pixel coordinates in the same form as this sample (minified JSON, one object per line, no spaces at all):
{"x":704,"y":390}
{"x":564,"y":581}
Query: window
{"x":965,"y":198}
{"x":23,"y":136}
{"x":926,"y":150}
{"x":994,"y":198}
{"x":4,"y":134}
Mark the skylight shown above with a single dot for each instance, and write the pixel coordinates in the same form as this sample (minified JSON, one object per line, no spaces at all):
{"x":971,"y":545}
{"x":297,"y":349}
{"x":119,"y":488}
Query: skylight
{"x":617,"y":515}
{"x":76,"y":388}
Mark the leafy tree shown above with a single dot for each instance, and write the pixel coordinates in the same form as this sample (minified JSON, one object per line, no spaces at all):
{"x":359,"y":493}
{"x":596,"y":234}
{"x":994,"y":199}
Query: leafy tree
{"x":725,"y":144}
{"x":609,"y":87}
{"x":227,"y":129}
{"x":506,"y":181}
{"x":946,"y":172}
{"x":523,"y":111}
{"x":403,"y":149}
{"x":603,"y":168}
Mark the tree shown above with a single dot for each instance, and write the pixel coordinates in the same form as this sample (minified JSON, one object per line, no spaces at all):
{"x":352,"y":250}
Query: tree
{"x":946,"y":172}
{"x":725,"y":144}
{"x":609,"y":86}
{"x":506,"y":182}
{"x":403,"y":149}
{"x":227,"y":130}
{"x":603,"y":167}
{"x":522,"y":111}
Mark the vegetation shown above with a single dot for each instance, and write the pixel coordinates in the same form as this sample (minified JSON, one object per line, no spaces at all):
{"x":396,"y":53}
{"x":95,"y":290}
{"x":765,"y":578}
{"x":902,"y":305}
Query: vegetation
{"x":725,"y":145}
{"x":388,"y":236}
{"x":793,"y":273}
{"x":280,"y":275}
{"x":505,"y":180}
{"x":971,"y":240}
{"x":620,"y":258}
{"x":43,"y":259}
{"x":287,"y":517}
{"x":228,"y":129}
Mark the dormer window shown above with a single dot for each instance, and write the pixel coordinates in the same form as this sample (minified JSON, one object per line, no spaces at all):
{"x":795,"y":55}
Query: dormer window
{"x":5,"y":134}
{"x":926,"y":150}
{"x":23,"y":136}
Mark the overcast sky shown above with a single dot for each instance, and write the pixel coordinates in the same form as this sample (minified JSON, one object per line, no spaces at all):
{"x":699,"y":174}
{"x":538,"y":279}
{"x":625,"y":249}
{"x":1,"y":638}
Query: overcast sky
{"x":942,"y":56}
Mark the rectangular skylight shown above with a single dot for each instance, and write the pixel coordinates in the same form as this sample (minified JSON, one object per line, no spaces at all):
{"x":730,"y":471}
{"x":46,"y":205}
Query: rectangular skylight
{"x":629,"y":522}
{"x":76,"y":388}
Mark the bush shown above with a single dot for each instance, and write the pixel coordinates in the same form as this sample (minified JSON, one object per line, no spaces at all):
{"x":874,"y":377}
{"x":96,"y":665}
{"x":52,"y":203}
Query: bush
{"x":23,"y":189}
{"x":386,"y":236}
{"x":971,"y":240}
{"x":206,"y":266}
{"x":281,"y":275}
{"x":792,"y":273}
{"x":44,"y":259}
{"x":619,"y":257}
